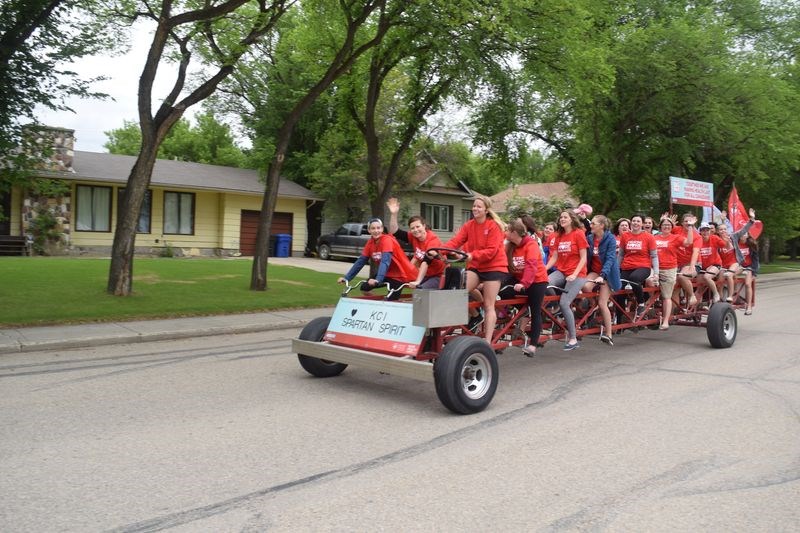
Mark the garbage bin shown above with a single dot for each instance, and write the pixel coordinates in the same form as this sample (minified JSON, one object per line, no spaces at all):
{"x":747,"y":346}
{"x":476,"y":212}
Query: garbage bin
{"x":283,"y":245}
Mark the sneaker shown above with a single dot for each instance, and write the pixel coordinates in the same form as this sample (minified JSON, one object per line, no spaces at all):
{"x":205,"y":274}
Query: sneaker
{"x":568,"y":347}
{"x":606,"y":339}
{"x":529,"y":350}
{"x":547,"y":331}
{"x":748,"y":311}
{"x":474,"y":322}
{"x":729,"y":300}
{"x":640,"y":309}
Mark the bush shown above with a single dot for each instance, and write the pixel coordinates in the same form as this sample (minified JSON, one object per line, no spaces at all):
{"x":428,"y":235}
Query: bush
{"x":44,"y":230}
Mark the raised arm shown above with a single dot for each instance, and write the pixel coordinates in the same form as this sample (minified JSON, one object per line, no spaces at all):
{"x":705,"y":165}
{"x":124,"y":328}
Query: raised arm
{"x":393,"y":204}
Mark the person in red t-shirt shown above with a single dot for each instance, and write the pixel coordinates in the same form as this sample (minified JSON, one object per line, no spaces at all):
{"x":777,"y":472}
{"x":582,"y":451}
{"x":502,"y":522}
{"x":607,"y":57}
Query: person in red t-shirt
{"x":687,"y":259}
{"x":731,"y":254}
{"x":638,"y":258}
{"x":548,"y":239}
{"x":623,"y":225}
{"x":528,"y":276}
{"x":482,"y":240}
{"x":569,"y":258}
{"x":667,"y":245}
{"x":382,"y":249}
{"x":710,"y":260}
{"x":422,"y":239}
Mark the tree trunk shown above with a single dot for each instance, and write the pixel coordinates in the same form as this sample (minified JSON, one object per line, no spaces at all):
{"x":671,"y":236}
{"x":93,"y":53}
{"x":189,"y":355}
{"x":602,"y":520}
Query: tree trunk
{"x":258,"y":276}
{"x":343,"y":60}
{"x":120,"y":275}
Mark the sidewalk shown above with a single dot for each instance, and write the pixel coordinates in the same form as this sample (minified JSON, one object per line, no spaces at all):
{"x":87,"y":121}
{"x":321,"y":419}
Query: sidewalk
{"x":14,"y":340}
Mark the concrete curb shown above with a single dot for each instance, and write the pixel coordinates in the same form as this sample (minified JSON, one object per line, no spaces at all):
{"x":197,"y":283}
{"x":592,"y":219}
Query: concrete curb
{"x":84,"y":342}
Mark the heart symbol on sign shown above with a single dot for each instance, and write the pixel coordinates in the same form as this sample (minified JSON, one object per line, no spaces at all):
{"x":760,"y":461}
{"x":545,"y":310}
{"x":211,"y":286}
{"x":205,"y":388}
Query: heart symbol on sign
{"x":756,"y":229}
{"x":353,"y":312}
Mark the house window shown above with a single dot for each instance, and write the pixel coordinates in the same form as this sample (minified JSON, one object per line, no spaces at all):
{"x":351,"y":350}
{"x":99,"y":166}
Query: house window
{"x":466,"y":215}
{"x":179,"y":213}
{"x":438,"y":217}
{"x":143,"y":226}
{"x":93,"y":208}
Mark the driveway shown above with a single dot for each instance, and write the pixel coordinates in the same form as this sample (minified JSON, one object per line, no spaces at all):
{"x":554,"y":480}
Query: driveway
{"x":333,"y":266}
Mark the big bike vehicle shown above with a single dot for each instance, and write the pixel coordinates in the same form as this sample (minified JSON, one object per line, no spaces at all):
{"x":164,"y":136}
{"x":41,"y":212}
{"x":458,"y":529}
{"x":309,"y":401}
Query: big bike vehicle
{"x":425,"y":335}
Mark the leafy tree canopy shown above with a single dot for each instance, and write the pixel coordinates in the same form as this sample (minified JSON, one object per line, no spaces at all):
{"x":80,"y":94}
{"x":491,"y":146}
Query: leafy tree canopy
{"x":209,"y":141}
{"x":38,"y":41}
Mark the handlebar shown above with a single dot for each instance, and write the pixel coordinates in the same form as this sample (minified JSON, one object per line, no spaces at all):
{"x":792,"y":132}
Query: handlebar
{"x":389,"y":290}
{"x":462,"y":255}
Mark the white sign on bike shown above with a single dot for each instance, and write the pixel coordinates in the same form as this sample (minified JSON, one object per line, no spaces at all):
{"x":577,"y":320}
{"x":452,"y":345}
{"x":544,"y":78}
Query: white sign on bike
{"x":375,"y":325}
{"x":691,"y":192}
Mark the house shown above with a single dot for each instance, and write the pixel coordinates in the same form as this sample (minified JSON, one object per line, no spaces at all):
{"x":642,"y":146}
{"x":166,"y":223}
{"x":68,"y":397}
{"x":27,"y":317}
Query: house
{"x":433,"y":192}
{"x":191,"y":208}
{"x":557,"y":190}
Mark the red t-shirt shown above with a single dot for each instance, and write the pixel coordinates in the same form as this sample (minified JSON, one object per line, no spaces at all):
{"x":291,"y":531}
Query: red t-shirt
{"x":667,"y":246}
{"x":568,"y":247}
{"x":727,"y":255}
{"x":709,"y":251}
{"x":637,"y":248}
{"x":436,"y":267}
{"x":526,"y":263}
{"x":747,"y":260}
{"x":685,"y":252}
{"x":484,"y":242}
{"x":400,"y":268}
{"x":597,"y":263}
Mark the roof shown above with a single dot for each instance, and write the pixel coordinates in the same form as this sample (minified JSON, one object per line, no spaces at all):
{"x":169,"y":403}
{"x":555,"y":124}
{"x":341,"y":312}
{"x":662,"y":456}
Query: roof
{"x":426,"y":173}
{"x":115,"y":168}
{"x":558,"y":189}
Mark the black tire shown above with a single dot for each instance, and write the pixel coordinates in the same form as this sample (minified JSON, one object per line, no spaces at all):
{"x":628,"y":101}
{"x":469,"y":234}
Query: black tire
{"x":324,"y":252}
{"x":466,"y":375}
{"x":314,"y":331}
{"x":721,"y":326}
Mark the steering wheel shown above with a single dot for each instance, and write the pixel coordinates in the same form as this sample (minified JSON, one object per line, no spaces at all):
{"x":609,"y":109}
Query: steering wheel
{"x":461,"y":255}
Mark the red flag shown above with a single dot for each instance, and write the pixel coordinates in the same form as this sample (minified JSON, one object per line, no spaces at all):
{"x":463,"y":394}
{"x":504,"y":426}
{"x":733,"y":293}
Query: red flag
{"x":737,"y":214}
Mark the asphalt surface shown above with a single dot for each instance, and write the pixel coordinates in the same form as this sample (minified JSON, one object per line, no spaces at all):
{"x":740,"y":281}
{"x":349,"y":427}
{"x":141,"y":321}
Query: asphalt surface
{"x":14,"y":340}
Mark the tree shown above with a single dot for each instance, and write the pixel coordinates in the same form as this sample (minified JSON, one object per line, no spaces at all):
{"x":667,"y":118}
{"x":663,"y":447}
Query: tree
{"x":38,"y":41}
{"x":702,"y":90}
{"x":363,"y":25}
{"x":209,"y":142}
{"x":223,"y":30}
{"x":407,"y":77}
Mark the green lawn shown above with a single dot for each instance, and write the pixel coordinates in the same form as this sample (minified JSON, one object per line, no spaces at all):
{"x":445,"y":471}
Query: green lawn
{"x":781,"y":264}
{"x":57,"y":290}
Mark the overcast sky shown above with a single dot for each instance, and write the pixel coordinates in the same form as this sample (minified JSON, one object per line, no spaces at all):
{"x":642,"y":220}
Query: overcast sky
{"x":93,"y":117}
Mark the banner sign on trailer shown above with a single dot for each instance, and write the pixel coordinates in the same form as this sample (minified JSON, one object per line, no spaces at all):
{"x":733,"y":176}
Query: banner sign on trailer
{"x":691,"y":192}
{"x":375,"y":325}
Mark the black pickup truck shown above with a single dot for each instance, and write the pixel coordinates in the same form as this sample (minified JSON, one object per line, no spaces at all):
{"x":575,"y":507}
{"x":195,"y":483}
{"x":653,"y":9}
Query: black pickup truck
{"x":348,"y":241}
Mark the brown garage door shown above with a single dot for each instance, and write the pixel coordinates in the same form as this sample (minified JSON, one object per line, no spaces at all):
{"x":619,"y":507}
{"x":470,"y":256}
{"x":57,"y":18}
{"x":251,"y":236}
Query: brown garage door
{"x":248,"y":228}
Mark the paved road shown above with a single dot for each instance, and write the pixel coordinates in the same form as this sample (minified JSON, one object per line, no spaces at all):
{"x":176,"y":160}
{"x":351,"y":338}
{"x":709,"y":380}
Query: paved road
{"x":227,"y":433}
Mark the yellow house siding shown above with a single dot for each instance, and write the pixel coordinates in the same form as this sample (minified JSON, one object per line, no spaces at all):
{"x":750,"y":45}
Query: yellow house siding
{"x":15,"y":216}
{"x":92,"y":238}
{"x":234,"y":204}
{"x":217,"y":219}
{"x":299,"y":224}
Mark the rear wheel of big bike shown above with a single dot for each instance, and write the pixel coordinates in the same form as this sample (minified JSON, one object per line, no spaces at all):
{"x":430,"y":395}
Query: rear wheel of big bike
{"x":321,"y":368}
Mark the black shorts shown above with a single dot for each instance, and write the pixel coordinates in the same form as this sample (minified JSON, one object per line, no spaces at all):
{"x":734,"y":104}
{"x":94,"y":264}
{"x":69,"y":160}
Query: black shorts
{"x":490,"y":276}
